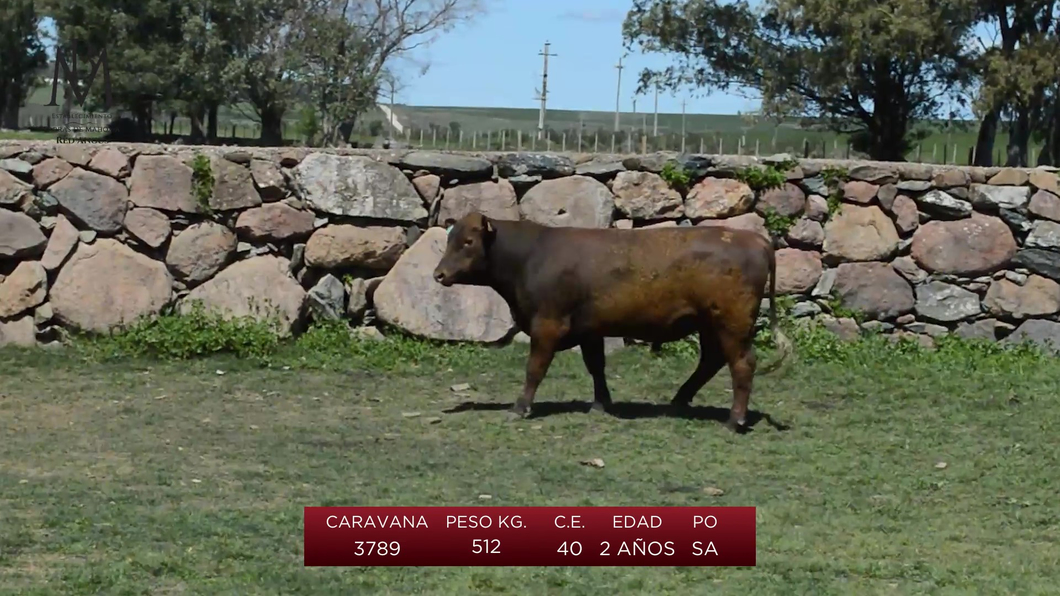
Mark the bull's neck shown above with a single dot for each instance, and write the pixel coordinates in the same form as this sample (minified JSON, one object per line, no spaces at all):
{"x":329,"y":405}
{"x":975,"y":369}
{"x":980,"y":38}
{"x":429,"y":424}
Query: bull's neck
{"x":513,"y":245}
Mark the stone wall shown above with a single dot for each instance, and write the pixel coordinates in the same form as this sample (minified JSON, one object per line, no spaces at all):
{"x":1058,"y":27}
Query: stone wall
{"x":94,"y":236}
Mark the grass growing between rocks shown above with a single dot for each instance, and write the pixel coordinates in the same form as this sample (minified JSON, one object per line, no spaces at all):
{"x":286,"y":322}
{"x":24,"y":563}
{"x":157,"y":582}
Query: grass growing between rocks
{"x":133,"y":465}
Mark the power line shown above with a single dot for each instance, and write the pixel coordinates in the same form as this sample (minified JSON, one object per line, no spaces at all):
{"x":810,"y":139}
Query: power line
{"x":543,"y":95}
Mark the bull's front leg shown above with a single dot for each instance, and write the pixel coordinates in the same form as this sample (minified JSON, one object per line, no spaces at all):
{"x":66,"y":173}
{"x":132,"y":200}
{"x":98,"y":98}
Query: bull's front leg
{"x":545,"y":336}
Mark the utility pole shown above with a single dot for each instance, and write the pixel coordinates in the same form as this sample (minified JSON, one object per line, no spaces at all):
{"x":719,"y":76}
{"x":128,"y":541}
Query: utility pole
{"x":618,"y":91}
{"x":682,"y":126}
{"x":390,"y":130}
{"x":543,"y":96}
{"x":655,"y":123}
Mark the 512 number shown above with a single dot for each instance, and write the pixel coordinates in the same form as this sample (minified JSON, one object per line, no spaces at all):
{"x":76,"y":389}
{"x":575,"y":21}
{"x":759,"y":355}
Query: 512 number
{"x":485,"y":545}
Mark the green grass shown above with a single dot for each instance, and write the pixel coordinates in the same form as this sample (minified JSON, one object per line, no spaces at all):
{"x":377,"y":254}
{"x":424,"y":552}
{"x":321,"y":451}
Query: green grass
{"x":129,"y":470}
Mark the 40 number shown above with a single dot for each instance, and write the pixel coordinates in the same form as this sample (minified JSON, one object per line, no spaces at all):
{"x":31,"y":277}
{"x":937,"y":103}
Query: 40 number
{"x":574,"y":548}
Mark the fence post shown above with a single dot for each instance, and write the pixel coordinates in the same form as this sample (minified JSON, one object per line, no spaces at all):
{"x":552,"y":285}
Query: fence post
{"x":519,"y":139}
{"x":460,"y":139}
{"x":596,"y":142}
{"x":504,"y":135}
{"x":448,"y":131}
{"x":489,"y":140}
{"x":564,"y":138}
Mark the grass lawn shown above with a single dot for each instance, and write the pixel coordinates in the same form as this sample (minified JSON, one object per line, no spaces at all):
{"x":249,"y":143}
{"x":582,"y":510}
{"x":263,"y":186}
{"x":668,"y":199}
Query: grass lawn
{"x":153,"y":476}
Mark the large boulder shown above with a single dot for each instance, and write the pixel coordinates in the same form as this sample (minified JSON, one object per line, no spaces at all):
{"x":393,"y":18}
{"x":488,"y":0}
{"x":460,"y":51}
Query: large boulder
{"x":1045,"y":204}
{"x":259,"y":287}
{"x":60,"y":244}
{"x":149,"y":226}
{"x":1044,"y":334}
{"x":1044,"y":234}
{"x":342,"y":246}
{"x":1040,"y":261}
{"x":977,"y":245}
{"x":992,"y":198}
{"x":23,"y":289}
{"x":644,"y":195}
{"x":93,"y":200}
{"x":18,"y":332}
{"x":267,"y":179}
{"x":797,"y":270}
{"x":752,"y":222}
{"x":277,"y":222}
{"x":233,"y":187}
{"x":1037,"y":297}
{"x":860,"y":234}
{"x":572,"y":201}
{"x":49,"y":172}
{"x":945,"y":303}
{"x":943,"y":205}
{"x":357,"y":186}
{"x":162,"y":182}
{"x":200,"y":251}
{"x":410,"y":299}
{"x":873,"y":289}
{"x":496,"y":200}
{"x":462,"y":167}
{"x":718,"y":198}
{"x":20,"y":236}
{"x":106,"y":284}
{"x":13,"y":192}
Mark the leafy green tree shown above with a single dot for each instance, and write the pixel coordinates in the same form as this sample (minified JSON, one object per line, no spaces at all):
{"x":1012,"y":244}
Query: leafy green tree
{"x":22,"y":53}
{"x":1018,"y":72}
{"x":866,"y":68}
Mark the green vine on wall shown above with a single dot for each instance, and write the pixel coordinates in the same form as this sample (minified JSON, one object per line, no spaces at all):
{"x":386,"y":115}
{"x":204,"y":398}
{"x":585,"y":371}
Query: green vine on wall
{"x":202,"y":181}
{"x":675,"y":176}
{"x":834,"y":178}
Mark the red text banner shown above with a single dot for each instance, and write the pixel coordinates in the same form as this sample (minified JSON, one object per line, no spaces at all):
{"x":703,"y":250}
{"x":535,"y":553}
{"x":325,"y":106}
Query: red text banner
{"x":529,"y":536}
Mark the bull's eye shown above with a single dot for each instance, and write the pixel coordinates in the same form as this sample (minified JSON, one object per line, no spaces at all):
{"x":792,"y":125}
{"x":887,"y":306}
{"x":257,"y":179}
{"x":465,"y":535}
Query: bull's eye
{"x":469,"y":242}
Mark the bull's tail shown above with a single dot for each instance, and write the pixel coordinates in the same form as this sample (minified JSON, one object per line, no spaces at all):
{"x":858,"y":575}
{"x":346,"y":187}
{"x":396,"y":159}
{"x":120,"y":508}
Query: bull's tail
{"x":784,"y":346}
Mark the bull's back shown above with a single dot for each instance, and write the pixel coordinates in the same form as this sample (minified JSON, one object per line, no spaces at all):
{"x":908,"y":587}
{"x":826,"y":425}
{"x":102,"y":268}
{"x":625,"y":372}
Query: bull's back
{"x":640,"y":283}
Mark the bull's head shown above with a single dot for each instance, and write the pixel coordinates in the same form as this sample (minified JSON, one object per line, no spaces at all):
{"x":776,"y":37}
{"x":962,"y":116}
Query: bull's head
{"x":465,"y":258}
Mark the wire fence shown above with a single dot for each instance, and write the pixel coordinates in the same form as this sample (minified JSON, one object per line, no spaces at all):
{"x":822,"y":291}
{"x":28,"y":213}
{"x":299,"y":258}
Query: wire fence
{"x":946,"y":148}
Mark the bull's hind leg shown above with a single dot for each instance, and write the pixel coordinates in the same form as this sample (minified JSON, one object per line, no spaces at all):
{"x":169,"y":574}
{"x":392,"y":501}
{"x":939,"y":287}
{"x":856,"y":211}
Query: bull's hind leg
{"x":711,"y":359}
{"x":740,"y":352}
{"x":593,"y":356}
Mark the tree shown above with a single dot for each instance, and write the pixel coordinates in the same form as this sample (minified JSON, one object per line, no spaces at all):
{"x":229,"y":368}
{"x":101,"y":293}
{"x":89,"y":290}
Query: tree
{"x":209,"y":72}
{"x":1018,"y":70}
{"x":868,"y":68}
{"x":23,"y":54}
{"x":140,"y":39}
{"x":384,"y":32}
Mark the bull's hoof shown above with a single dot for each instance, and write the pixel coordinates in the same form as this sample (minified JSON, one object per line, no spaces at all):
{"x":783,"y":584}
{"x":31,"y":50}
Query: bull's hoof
{"x":679,"y":406}
{"x":736,"y":426}
{"x":599,"y":408}
{"x":516,"y":414}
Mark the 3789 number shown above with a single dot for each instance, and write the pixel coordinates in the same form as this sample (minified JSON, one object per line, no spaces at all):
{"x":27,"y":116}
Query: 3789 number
{"x":379,"y":548}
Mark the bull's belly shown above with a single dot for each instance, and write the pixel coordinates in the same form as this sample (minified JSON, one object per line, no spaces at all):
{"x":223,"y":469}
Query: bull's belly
{"x":646,"y":324}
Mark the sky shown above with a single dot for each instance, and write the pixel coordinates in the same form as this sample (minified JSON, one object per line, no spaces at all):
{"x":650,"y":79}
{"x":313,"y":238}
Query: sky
{"x":495,"y":62}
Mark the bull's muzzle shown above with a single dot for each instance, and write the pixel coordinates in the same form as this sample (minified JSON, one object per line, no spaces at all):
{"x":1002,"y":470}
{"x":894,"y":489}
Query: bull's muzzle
{"x":442,"y":278}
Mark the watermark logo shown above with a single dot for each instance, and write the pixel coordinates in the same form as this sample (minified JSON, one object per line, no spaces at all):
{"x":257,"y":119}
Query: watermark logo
{"x":73,"y":80}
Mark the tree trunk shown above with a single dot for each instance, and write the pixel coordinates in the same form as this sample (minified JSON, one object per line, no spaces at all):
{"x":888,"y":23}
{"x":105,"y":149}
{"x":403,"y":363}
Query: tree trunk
{"x":211,"y":126}
{"x":196,"y":113}
{"x":10,"y":103}
{"x":1050,"y":155}
{"x":1019,"y":137}
{"x":984,"y":143}
{"x":345,"y":131}
{"x":272,"y":127}
{"x":172,"y":121}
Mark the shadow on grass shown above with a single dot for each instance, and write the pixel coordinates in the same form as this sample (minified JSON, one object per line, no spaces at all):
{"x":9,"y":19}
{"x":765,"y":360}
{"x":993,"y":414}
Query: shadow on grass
{"x":625,"y":410}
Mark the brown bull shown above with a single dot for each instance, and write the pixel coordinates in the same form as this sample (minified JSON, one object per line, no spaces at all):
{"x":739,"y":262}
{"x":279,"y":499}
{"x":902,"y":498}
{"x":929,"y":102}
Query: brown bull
{"x":571,"y":287}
